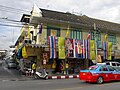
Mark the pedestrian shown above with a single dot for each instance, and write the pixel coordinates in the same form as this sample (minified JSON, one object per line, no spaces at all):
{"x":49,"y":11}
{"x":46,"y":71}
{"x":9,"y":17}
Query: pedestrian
{"x":67,"y":67}
{"x":54,"y":66}
{"x":34,"y":68}
{"x":60,"y":67}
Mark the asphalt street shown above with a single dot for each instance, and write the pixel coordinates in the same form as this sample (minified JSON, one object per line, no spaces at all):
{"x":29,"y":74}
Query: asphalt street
{"x":11,"y":80}
{"x":61,"y":84}
{"x":8,"y":74}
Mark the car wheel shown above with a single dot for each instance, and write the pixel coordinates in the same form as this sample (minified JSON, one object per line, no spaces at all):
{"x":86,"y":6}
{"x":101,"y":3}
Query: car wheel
{"x":100,"y":80}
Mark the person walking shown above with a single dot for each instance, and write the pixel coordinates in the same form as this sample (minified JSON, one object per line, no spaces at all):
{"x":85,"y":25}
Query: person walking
{"x":34,"y":68}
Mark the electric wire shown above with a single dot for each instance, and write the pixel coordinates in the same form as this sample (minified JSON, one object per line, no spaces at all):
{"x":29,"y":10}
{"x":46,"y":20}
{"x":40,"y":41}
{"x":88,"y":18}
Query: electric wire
{"x":12,"y":10}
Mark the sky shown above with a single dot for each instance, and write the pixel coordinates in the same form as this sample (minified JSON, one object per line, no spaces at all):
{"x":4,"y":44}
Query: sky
{"x":108,"y":10}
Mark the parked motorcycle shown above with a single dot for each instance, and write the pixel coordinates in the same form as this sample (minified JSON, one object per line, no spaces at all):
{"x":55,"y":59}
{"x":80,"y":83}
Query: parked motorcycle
{"x":41,"y":75}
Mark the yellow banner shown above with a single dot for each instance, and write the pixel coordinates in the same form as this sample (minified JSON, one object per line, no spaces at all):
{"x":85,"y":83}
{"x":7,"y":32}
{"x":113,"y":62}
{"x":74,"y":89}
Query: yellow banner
{"x":24,"y":52}
{"x":92,"y":55}
{"x":92,"y":45}
{"x":106,"y":37}
{"x":109,"y":50}
{"x":61,"y":47}
{"x":92,"y":50}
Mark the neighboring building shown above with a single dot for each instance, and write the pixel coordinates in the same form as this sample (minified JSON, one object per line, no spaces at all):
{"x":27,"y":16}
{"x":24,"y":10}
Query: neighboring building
{"x":34,"y":42}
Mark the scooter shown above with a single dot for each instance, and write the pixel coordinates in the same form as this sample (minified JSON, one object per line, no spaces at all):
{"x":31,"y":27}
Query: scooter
{"x":41,"y":75}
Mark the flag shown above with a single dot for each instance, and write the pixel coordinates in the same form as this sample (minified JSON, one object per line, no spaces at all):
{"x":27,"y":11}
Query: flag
{"x":109,"y":50}
{"x":24,"y":52}
{"x":83,"y":48}
{"x":106,"y":37}
{"x":61,"y":47}
{"x":92,"y":50}
{"x":40,"y":29}
{"x":69,"y":47}
{"x":105,"y":48}
{"x":88,"y":36}
{"x":52,"y":47}
{"x":87,"y":49}
{"x":75,"y":44}
{"x":68,"y":32}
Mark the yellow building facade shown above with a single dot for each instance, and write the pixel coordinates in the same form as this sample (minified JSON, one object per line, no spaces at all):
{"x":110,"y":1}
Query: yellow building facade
{"x":57,"y":24}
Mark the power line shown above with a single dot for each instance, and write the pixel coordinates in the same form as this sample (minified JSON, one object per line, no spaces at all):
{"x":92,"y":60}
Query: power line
{"x":14,"y":8}
{"x":11,"y":25}
{"x":10,"y":11}
{"x":11,"y":21}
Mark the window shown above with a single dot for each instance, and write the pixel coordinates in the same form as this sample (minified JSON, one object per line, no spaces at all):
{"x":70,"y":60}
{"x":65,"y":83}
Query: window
{"x":76,"y":34}
{"x":111,"y":68}
{"x":118,"y":64}
{"x":107,"y":63}
{"x":54,"y":31}
{"x":93,"y":67}
{"x":103,"y":68}
{"x":113,"y":64}
{"x":98,"y":36}
{"x":92,"y":35}
{"x":112,"y":38}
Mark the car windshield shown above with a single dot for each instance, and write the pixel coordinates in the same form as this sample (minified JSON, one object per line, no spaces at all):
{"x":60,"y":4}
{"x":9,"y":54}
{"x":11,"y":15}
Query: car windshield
{"x":92,"y":67}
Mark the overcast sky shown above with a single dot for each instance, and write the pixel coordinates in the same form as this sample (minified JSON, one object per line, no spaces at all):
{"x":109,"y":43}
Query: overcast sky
{"x":108,"y":10}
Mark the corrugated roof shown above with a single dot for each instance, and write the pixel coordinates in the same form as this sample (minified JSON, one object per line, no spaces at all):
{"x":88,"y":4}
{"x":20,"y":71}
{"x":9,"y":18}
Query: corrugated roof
{"x":80,"y":19}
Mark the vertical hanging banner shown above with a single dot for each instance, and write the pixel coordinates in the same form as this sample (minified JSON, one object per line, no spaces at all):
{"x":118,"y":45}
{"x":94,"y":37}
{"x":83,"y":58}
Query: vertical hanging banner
{"x":61,"y":47}
{"x":52,"y":46}
{"x":92,"y":49}
{"x":87,"y":49}
{"x":109,"y":50}
{"x":75,"y":44}
{"x":83,"y":49}
{"x":69,"y":47}
{"x":24,"y":52}
{"x":77,"y":48}
{"x":105,"y":48}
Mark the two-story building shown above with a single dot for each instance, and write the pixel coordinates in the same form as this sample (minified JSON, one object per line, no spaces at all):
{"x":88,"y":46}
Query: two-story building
{"x":47,"y":35}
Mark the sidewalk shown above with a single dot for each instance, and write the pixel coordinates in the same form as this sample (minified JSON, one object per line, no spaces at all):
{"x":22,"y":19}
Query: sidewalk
{"x":55,"y":76}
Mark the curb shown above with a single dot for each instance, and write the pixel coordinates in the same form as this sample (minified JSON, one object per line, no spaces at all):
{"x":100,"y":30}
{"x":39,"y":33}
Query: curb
{"x":63,"y":77}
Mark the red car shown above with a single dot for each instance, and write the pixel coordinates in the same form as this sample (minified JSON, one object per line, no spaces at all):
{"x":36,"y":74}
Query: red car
{"x":99,"y":74}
